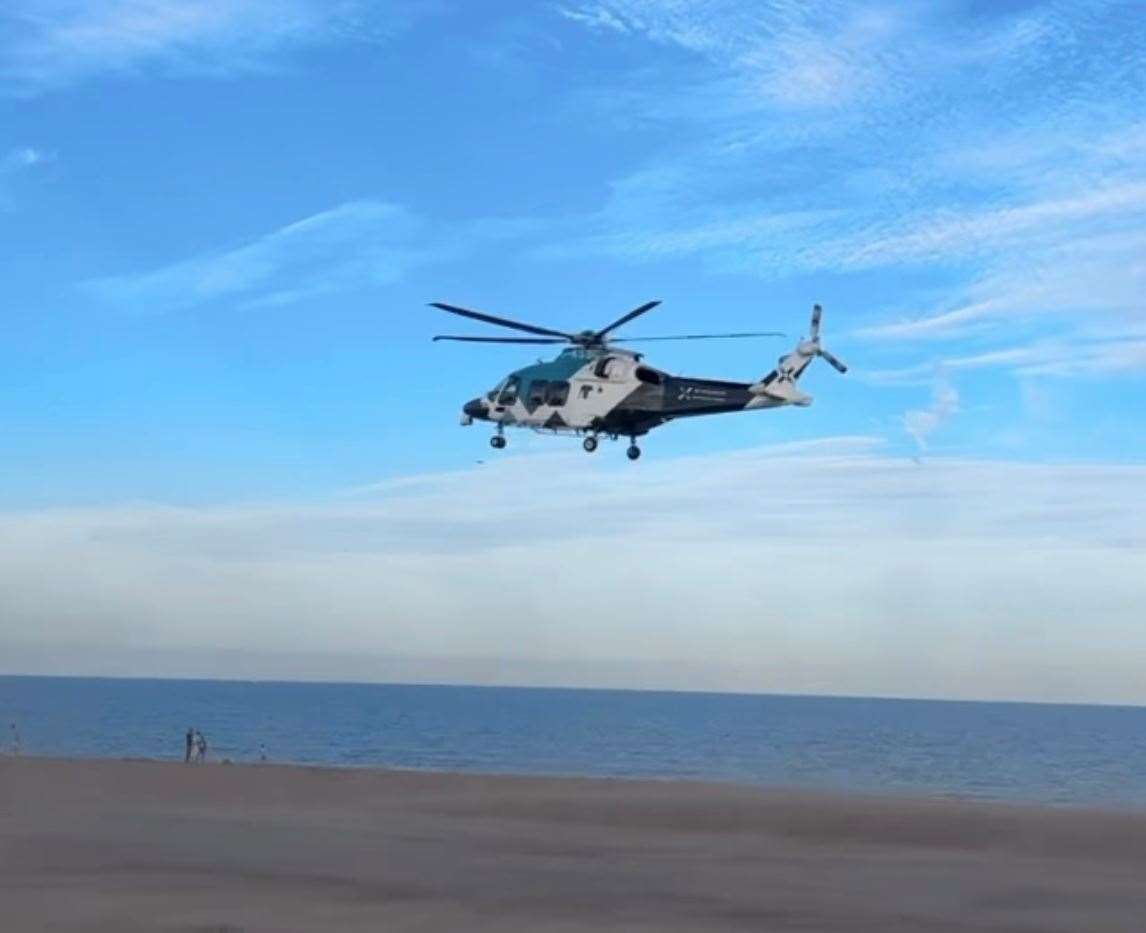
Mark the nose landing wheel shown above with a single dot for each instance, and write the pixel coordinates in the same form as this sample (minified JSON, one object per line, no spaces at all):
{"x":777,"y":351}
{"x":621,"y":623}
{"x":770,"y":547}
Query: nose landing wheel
{"x":497,"y":442}
{"x":634,"y":452}
{"x":590,"y":444}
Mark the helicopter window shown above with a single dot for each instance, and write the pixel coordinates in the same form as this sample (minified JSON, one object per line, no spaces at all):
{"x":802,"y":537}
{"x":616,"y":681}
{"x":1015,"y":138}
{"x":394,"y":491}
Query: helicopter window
{"x":651,"y":376}
{"x":557,"y":393}
{"x":509,"y":391}
{"x":604,"y":367}
{"x":537,"y":392}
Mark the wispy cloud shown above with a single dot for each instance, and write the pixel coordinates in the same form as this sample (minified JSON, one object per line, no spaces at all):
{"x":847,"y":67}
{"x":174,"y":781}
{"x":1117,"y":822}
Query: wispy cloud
{"x":722,"y":236}
{"x":1080,"y":273}
{"x":595,"y":17}
{"x":17,"y":162}
{"x":951,"y":235}
{"x":781,"y":53}
{"x":1080,"y":355}
{"x":355,"y":245}
{"x":997,"y":560}
{"x":921,"y":423}
{"x":998,"y":152}
{"x":46,"y":44}
{"x":1082,"y":255}
{"x":23,"y":158}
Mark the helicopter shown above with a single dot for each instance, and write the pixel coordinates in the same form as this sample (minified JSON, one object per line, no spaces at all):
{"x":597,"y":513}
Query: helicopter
{"x":595,"y":388}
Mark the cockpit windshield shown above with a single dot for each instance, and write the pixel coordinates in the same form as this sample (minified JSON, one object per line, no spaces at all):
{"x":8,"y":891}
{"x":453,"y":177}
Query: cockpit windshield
{"x":509,"y":391}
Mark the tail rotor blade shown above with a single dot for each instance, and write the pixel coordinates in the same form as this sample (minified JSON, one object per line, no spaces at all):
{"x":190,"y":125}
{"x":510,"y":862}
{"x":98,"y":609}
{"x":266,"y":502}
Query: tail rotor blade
{"x":833,"y":361}
{"x":817,"y":313}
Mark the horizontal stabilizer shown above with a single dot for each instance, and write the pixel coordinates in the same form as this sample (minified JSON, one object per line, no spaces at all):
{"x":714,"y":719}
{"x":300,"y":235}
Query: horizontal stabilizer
{"x":783,"y":390}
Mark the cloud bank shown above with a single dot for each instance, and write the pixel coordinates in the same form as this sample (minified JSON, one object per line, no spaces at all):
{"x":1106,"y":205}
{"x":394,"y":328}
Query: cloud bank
{"x":815,"y":567}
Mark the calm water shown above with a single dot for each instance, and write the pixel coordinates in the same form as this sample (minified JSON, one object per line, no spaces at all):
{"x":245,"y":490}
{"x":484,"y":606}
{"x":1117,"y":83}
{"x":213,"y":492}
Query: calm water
{"x":1058,"y":754}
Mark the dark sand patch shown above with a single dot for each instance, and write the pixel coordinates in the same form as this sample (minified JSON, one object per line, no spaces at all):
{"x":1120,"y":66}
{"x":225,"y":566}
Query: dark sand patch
{"x":107,"y":845}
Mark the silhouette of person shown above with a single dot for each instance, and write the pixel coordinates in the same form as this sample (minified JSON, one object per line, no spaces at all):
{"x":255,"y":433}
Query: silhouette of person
{"x":190,"y":743}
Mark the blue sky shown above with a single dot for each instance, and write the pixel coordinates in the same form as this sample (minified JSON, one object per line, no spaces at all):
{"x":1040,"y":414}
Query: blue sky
{"x":220,"y":224}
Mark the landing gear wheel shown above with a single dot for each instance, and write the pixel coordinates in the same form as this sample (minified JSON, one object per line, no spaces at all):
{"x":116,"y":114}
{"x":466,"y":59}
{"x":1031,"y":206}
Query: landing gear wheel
{"x":633,"y":452}
{"x":497,"y":442}
{"x":590,"y":444}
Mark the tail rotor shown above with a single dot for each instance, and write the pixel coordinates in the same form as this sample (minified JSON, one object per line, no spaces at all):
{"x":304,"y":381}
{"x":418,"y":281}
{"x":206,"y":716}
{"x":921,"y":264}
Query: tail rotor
{"x":814,"y":340}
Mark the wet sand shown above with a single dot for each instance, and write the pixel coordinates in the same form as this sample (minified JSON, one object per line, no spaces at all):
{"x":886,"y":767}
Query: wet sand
{"x":127,"y":845}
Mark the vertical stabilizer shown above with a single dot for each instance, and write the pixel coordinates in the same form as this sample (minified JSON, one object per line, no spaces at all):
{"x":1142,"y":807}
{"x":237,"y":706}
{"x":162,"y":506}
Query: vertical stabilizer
{"x":780,"y":384}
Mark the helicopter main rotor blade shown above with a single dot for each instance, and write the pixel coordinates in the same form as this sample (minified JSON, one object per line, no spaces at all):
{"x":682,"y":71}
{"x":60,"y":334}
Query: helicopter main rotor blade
{"x":501,"y":339}
{"x":766,"y":333}
{"x":838,"y":364}
{"x":636,"y":312}
{"x":500,"y":321}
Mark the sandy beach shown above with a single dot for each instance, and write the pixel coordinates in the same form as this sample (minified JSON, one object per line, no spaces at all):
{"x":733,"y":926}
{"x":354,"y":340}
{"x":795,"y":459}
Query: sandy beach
{"x":136,"y":845}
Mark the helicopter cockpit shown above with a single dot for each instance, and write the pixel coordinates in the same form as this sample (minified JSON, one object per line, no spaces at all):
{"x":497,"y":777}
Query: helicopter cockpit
{"x":506,"y":393}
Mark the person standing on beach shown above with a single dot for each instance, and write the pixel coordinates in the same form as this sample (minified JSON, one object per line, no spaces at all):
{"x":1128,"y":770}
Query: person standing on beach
{"x":200,"y":747}
{"x":15,"y":738}
{"x":190,"y":742}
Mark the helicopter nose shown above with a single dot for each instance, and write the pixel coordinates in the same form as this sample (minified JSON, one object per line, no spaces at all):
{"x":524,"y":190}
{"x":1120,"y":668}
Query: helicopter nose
{"x":475,"y":408}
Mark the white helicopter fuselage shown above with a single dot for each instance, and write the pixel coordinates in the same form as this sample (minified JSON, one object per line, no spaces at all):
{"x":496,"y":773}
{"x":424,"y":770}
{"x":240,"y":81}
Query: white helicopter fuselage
{"x":595,"y":388}
{"x":613,"y":392}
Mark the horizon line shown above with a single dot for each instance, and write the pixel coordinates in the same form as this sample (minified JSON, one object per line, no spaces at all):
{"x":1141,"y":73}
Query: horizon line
{"x":320,"y":682}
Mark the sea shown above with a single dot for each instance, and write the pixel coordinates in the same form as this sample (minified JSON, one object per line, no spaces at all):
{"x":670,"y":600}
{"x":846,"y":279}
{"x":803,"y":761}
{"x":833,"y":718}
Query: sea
{"x":1039,"y":753}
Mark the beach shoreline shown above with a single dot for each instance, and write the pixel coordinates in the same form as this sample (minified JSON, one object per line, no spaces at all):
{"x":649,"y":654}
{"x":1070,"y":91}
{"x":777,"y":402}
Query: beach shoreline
{"x":101,"y":844}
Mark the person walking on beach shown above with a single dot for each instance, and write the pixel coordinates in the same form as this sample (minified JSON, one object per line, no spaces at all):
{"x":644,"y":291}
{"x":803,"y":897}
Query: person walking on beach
{"x":200,"y":747}
{"x":14,"y":734}
{"x":190,"y":744}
